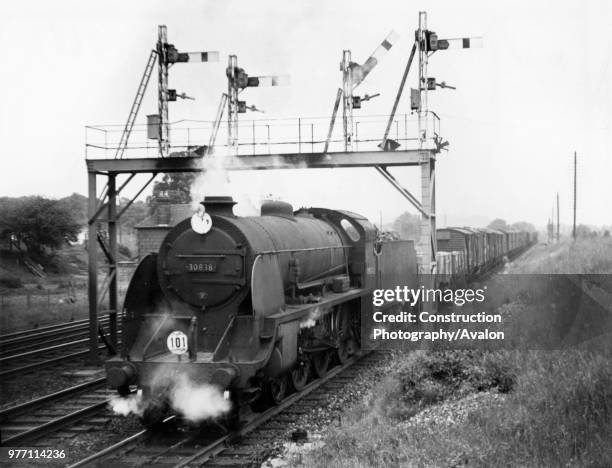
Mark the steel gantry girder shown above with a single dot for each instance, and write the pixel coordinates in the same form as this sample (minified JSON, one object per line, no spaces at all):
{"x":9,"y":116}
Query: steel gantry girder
{"x":265,"y":161}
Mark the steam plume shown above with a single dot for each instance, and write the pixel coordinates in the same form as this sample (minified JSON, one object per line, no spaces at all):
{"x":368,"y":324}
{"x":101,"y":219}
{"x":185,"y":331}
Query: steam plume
{"x":312,"y":318}
{"x":197,"y":402}
{"x":131,"y":404}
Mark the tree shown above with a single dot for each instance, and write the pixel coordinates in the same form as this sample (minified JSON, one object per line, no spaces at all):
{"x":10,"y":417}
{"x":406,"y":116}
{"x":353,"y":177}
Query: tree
{"x":176,"y":187}
{"x":77,"y":205}
{"x":39,"y":223}
{"x":498,"y":224}
{"x":523,"y":226}
{"x":8,"y":210}
{"x":136,"y":213}
{"x":582,"y":230}
{"x":408,"y":225}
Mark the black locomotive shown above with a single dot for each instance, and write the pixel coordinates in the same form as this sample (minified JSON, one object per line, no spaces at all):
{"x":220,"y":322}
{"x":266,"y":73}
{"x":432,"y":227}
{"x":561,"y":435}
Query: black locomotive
{"x":252,"y":305}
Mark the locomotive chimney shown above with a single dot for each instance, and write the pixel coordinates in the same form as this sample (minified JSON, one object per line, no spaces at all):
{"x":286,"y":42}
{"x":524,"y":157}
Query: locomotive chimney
{"x":219,"y":205}
{"x":162,"y":208}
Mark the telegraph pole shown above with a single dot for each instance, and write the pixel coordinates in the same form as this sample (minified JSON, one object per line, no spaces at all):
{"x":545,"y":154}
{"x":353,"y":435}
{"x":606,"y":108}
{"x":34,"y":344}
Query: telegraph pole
{"x":550,"y":230}
{"x":575,"y":164}
{"x":552,"y":224}
{"x":557,"y":216}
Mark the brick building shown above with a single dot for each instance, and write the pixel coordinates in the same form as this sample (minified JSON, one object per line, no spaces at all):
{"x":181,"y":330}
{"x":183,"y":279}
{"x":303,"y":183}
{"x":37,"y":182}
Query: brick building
{"x":151,"y":232}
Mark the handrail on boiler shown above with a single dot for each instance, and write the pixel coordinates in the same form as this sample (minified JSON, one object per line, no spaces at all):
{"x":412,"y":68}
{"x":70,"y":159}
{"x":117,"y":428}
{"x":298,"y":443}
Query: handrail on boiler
{"x":306,"y":249}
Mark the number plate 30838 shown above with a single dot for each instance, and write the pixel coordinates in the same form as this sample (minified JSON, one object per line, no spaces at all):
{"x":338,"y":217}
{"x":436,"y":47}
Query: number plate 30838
{"x":208,"y":267}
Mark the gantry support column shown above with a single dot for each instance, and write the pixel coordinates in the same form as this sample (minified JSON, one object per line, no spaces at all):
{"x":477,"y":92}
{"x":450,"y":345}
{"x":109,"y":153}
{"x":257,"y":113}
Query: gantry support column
{"x":428,"y":243}
{"x":112,"y":264}
{"x":93,"y":269}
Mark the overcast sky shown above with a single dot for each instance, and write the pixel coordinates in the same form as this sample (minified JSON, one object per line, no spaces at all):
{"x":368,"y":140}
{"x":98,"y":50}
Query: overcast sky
{"x":538,"y":90}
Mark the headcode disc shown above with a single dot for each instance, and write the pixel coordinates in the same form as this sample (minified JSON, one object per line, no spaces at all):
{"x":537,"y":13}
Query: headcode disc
{"x":201,"y":222}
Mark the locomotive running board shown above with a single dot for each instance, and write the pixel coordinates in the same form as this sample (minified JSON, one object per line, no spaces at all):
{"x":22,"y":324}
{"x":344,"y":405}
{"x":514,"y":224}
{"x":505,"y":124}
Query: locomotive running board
{"x":294,"y":312}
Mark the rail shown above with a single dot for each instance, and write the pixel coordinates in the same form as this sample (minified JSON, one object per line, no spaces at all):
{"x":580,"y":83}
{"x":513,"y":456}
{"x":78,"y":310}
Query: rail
{"x":37,"y":418}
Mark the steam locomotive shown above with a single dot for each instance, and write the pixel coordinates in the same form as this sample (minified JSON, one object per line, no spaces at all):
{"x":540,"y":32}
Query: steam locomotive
{"x":252,"y":305}
{"x":255,"y":306}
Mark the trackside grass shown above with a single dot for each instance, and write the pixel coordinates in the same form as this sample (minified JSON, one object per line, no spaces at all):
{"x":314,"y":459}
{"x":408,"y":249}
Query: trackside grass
{"x":593,"y":256}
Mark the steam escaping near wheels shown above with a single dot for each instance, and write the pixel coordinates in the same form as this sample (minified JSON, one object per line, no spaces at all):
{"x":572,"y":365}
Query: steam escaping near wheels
{"x":131,"y":404}
{"x":192,"y":401}
{"x":197,"y":403}
{"x":311,"y":320}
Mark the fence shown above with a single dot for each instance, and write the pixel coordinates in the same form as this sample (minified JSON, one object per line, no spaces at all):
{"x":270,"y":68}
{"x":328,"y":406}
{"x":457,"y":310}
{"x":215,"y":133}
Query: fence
{"x":48,"y":299}
{"x":264,"y":136}
{"x":73,"y":295}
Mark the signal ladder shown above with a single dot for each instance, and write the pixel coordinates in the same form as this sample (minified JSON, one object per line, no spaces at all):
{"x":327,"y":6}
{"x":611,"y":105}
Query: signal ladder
{"x":136,"y":105}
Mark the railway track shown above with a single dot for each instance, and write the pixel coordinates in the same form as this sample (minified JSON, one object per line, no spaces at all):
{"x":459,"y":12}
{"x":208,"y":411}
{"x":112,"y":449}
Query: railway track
{"x":43,"y":358}
{"x":491,"y":272}
{"x":29,"y":421}
{"x":30,"y":350}
{"x":240,"y":448}
{"x":44,"y":337}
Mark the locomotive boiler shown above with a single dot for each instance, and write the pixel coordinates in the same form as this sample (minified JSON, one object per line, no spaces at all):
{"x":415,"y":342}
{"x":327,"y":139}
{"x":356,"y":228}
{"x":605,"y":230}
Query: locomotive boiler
{"x":254,"y":306}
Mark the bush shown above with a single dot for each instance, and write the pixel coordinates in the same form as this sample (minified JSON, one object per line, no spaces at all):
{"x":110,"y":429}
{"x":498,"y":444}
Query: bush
{"x":426,"y":378}
{"x":494,"y":371}
{"x":11,"y":282}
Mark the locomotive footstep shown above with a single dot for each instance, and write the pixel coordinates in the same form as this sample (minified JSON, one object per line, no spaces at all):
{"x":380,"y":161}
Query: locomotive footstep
{"x":274,"y":391}
{"x":299,"y":375}
{"x":320,"y":363}
{"x":346,"y":350}
{"x":277,"y":389}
